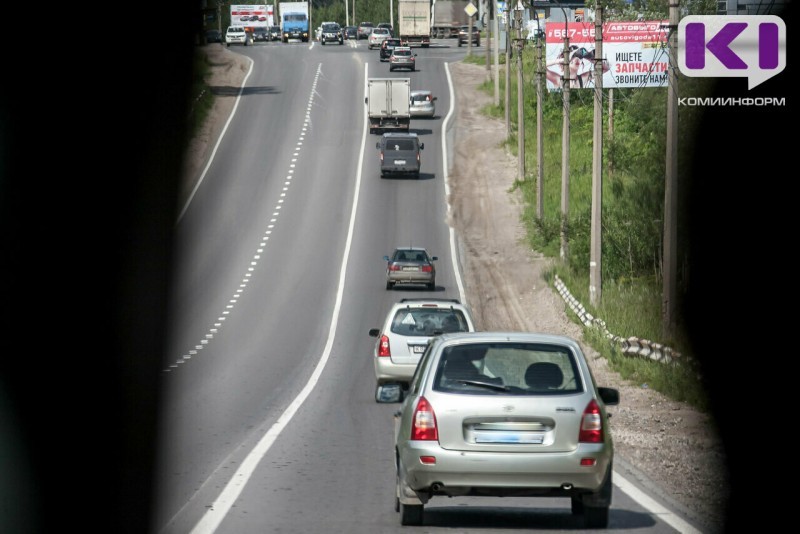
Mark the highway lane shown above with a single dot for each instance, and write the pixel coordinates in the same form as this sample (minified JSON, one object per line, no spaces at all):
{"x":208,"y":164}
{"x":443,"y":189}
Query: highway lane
{"x":280,"y":275}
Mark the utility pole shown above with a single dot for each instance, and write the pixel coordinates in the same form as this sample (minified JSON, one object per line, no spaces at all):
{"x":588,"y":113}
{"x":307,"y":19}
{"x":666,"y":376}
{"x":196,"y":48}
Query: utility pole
{"x":488,"y":39}
{"x":540,"y":66}
{"x":668,"y":304}
{"x":564,"y":252}
{"x":520,"y":101}
{"x":508,"y":71}
{"x":496,"y":53}
{"x":596,"y":247}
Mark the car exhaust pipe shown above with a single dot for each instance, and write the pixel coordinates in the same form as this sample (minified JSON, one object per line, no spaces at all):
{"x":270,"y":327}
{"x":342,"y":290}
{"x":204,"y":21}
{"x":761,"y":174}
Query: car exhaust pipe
{"x":566,"y":486}
{"x":437,"y":486}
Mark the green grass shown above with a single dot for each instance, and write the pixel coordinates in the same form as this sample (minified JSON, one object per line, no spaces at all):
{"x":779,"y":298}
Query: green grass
{"x":631,"y":292}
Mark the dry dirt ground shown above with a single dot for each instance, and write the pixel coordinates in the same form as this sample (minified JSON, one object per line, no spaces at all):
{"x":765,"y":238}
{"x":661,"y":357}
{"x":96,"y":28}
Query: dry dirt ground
{"x":664,"y":445}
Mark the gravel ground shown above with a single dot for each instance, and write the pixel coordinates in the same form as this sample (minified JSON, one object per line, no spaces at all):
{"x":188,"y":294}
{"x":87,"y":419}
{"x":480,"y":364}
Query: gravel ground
{"x":666,"y":446}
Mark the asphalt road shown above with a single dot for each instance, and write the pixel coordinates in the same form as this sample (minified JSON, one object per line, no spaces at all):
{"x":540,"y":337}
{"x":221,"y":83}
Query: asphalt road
{"x":269,"y":418}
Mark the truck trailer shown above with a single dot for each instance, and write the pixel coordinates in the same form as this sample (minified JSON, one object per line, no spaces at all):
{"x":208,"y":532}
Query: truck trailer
{"x":388,"y":101}
{"x":414,"y":17}
{"x":447,"y":17}
{"x":294,"y":21}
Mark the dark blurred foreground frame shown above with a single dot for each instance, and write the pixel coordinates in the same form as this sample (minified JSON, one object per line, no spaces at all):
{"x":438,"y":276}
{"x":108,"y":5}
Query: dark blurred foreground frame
{"x":743,"y":222}
{"x":91,"y":141}
{"x":90,"y":151}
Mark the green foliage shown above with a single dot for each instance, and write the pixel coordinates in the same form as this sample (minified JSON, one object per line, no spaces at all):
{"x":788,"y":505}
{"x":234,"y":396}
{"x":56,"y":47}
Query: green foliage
{"x":633,"y":191}
{"x":202,"y":98}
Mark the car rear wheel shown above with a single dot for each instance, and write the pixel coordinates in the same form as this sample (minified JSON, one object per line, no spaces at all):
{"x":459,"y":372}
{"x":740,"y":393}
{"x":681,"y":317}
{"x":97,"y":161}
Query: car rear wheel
{"x":411,"y":514}
{"x":389,"y":285}
{"x":595,"y":516}
{"x":432,"y":286}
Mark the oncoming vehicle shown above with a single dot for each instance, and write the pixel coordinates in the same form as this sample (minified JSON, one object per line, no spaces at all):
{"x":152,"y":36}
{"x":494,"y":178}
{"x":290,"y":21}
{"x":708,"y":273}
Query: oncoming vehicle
{"x":331,"y":33}
{"x":406,"y":330}
{"x":274,"y":33}
{"x":260,"y":33}
{"x":463,"y":35}
{"x":422,"y":103}
{"x":402,"y":58}
{"x":364,"y":29}
{"x":503,"y":414}
{"x":410,"y":265}
{"x":237,"y":35}
{"x":399,"y":153}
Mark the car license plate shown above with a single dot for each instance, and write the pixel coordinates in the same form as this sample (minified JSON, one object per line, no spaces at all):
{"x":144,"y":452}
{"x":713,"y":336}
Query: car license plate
{"x":399,"y":162}
{"x":411,"y":268}
{"x":508,"y":437}
{"x":418,"y":349}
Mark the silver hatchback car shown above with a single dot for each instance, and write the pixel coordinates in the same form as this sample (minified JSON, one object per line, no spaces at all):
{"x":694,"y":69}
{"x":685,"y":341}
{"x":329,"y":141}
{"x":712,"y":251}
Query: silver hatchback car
{"x":407,"y":328}
{"x":503,"y":414}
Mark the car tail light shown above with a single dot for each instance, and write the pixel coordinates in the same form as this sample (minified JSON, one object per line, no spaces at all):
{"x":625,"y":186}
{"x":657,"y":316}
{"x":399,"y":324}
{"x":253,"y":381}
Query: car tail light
{"x":384,"y":349}
{"x":426,"y":268}
{"x":423,"y":426}
{"x":381,"y":156}
{"x":393,"y":267}
{"x":591,"y":424}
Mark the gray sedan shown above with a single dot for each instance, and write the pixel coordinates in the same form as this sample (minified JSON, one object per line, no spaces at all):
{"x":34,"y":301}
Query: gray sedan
{"x":503,"y":414}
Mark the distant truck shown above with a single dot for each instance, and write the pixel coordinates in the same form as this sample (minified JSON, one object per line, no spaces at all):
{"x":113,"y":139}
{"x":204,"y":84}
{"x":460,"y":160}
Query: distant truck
{"x":388,"y":101}
{"x":447,"y":17}
{"x":294,"y":21}
{"x":414,"y":17}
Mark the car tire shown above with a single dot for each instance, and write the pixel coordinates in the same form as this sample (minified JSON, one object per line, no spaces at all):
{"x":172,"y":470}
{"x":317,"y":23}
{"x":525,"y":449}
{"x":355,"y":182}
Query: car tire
{"x":432,"y":286}
{"x":411,"y":514}
{"x":389,"y":285}
{"x":459,"y":43}
{"x":595,"y":516}
{"x":577,"y":506}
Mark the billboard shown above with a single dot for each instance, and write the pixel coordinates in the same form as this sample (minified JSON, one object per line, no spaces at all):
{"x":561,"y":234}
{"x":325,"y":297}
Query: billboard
{"x":252,"y":16}
{"x":635,"y":54}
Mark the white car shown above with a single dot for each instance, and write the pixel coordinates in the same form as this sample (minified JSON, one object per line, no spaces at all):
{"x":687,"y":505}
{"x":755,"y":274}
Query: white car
{"x":422,"y":104}
{"x":377,"y":37}
{"x":237,"y":35}
{"x":405,"y":333}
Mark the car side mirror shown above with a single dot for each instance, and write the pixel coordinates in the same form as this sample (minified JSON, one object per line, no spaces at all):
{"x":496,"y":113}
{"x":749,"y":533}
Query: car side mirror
{"x":366,"y":99}
{"x":378,"y":145}
{"x":386,"y":258}
{"x":373,"y":332}
{"x":609,"y":396}
{"x":389,"y":393}
{"x":421,"y":146}
{"x":434,"y":98}
{"x":434,"y":258}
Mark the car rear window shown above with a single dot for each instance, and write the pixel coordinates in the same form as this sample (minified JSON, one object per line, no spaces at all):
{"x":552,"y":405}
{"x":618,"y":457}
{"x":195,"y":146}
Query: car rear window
{"x":508,"y":369}
{"x":428,"y":321}
{"x":400,"y":145}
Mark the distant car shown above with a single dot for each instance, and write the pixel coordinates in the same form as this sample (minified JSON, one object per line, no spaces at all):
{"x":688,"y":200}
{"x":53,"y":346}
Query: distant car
{"x":387,"y":46}
{"x":388,"y":26}
{"x":350,"y":32}
{"x":399,"y":154}
{"x":410,"y":265}
{"x":261,"y":33}
{"x":376,"y":37}
{"x":331,"y":33}
{"x":213,"y":36}
{"x":364,"y":29}
{"x":406,"y":330}
{"x":237,"y":35}
{"x":463,"y":35}
{"x":402,"y":57}
{"x":502,"y":414}
{"x":422,"y":103}
{"x":274,"y":33}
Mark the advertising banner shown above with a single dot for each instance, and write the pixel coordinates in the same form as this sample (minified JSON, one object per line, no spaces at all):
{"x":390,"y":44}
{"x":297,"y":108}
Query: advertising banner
{"x":252,"y":16}
{"x":634,"y":54}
